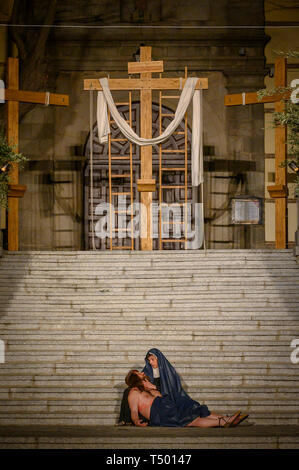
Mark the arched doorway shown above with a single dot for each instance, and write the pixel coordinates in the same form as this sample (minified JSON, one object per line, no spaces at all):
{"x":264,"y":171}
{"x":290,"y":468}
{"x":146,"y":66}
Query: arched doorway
{"x":100,"y":171}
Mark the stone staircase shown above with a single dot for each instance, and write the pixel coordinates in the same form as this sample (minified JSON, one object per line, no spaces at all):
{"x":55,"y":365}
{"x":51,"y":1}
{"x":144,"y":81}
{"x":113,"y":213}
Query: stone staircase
{"x":74,"y":323}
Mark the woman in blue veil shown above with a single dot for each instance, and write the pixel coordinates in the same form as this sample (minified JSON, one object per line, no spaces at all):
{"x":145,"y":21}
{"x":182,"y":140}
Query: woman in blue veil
{"x":168,"y":382}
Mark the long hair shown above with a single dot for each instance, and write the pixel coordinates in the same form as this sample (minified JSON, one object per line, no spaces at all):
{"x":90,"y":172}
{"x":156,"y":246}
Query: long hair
{"x":133,"y":380}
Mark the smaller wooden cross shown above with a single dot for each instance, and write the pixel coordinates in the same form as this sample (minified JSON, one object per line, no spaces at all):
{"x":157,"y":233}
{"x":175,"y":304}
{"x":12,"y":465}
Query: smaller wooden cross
{"x":12,"y":98}
{"x":279,"y":191}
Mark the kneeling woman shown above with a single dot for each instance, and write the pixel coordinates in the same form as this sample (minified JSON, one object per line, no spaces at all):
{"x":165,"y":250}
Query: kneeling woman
{"x":145,"y":400}
{"x":163,"y":375}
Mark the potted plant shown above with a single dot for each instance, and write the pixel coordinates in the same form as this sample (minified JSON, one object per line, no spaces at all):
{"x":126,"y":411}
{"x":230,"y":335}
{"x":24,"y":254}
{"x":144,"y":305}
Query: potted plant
{"x":7,"y":157}
{"x":289,"y":117}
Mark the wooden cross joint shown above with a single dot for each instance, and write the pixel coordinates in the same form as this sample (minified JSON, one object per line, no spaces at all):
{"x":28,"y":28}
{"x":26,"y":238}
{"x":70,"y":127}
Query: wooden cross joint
{"x":146,"y":66}
{"x":16,"y":190}
{"x":146,"y":184}
{"x":278,"y":190}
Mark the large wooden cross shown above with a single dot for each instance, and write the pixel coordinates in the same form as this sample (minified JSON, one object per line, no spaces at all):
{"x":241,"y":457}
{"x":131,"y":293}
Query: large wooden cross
{"x":146,"y":84}
{"x":279,"y":191}
{"x":12,"y":98}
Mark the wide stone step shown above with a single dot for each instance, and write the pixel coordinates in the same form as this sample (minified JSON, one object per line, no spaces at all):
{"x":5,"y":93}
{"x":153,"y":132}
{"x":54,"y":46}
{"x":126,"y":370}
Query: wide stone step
{"x":214,"y":379}
{"x":156,"y":297}
{"x":150,"y":265}
{"x":129,"y":312}
{"x":190,"y":291}
{"x":186,"y":372}
{"x":109,"y":415}
{"x":197,"y":374}
{"x":128,"y":253}
{"x":106,"y":419}
{"x":195,"y":269}
{"x":146,"y":323}
{"x":42,"y":359}
{"x":197,"y":330}
{"x":45,"y":353}
{"x":199,"y":392}
{"x":184,"y":345}
{"x":80,"y":312}
{"x":109,"y":410}
{"x":83,"y":318}
{"x":107,"y":437}
{"x":215,"y":283}
{"x":112,"y":401}
{"x":164,"y":336}
{"x":108,"y":264}
{"x":130,"y":302}
{"x":137,"y":254}
{"x":47,"y":357}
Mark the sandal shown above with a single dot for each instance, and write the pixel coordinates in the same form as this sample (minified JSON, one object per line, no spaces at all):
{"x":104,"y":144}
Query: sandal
{"x":228,"y":424}
{"x":239,"y":420}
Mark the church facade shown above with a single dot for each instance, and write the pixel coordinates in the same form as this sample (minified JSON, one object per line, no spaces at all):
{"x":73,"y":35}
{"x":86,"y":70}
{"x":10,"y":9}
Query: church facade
{"x":207,"y":38}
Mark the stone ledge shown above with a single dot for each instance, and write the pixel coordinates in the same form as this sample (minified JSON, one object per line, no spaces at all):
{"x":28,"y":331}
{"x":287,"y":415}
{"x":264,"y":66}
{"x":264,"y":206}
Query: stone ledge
{"x":112,"y":432}
{"x":244,"y":436}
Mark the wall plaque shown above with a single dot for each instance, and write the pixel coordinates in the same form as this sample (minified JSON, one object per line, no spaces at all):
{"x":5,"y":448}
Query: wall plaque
{"x":246,"y":210}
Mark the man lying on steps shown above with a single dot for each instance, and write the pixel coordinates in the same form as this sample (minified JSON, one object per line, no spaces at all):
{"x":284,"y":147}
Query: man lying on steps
{"x":146,"y":400}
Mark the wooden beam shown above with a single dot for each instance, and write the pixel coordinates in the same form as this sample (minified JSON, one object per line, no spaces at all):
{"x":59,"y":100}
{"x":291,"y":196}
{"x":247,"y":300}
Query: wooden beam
{"x":146,"y":165}
{"x":140,"y":67}
{"x":143,"y":84}
{"x":12,"y":134}
{"x":252,"y":98}
{"x":35,"y":97}
{"x":281,"y":226}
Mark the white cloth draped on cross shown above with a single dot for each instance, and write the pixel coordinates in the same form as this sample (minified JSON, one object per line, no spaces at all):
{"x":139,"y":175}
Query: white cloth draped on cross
{"x":188,"y":92}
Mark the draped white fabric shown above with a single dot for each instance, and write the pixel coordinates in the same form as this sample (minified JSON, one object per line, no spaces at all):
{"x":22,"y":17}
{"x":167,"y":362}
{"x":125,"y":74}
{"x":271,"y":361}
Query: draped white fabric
{"x":197,"y":140}
{"x":189,"y":92}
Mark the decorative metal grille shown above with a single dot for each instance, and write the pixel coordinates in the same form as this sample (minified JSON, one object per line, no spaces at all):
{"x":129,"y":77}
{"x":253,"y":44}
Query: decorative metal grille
{"x":121,"y":147}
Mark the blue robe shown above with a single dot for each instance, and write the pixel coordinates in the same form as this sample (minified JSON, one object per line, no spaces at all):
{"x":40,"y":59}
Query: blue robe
{"x":177,"y":409}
